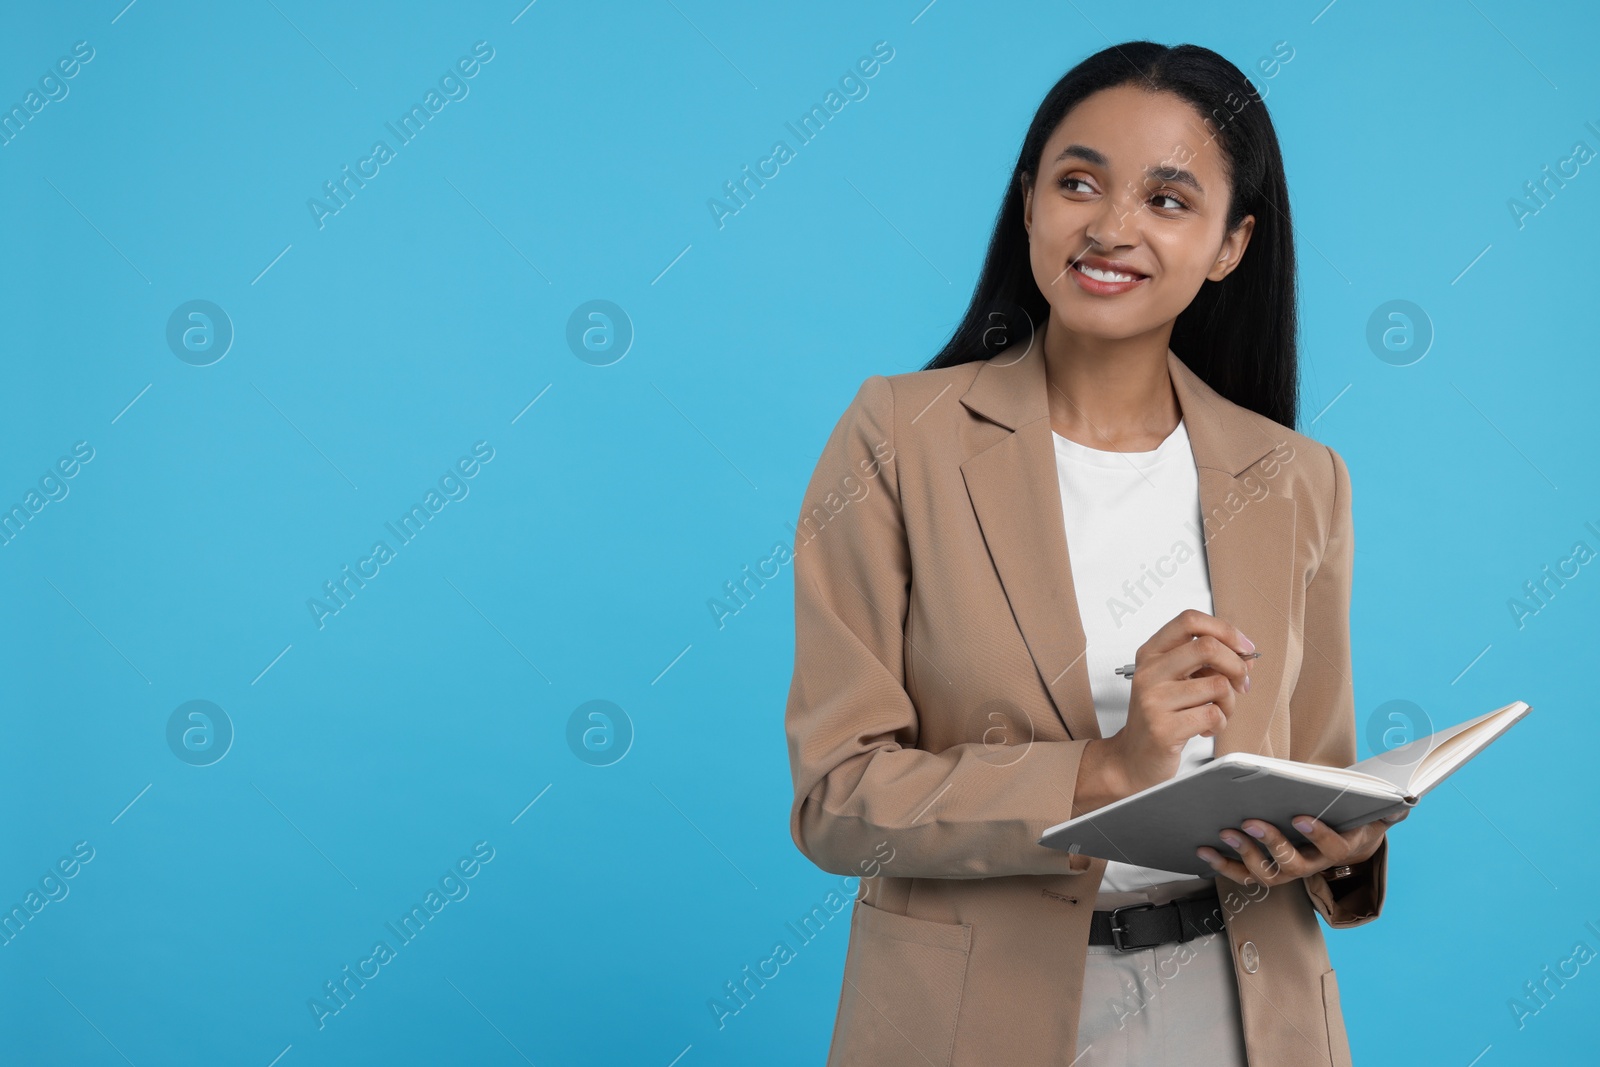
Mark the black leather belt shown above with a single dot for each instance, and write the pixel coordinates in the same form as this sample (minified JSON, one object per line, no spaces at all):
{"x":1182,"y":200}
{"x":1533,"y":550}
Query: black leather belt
{"x":1147,"y":925}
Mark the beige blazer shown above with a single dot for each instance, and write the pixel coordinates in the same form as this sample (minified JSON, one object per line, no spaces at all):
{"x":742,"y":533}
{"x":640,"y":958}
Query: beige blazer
{"x":939,"y":708}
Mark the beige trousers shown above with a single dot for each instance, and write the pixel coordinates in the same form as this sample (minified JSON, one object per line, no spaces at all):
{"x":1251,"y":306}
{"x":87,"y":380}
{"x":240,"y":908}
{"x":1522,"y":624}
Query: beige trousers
{"x":1172,"y":1004}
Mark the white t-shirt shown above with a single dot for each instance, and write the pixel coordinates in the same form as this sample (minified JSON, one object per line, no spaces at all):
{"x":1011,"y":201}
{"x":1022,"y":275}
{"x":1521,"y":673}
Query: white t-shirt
{"x":1135,"y":539}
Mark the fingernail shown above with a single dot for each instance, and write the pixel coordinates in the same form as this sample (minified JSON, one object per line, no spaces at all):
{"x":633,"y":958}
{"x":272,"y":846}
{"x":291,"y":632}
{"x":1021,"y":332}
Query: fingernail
{"x":1247,"y":682}
{"x":1303,"y":825}
{"x":1249,"y":645}
{"x":1207,"y":855}
{"x":1255,"y":831}
{"x":1231,"y":839}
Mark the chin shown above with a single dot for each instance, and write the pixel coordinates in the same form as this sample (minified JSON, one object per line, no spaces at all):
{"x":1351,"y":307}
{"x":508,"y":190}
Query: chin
{"x":1102,"y":327}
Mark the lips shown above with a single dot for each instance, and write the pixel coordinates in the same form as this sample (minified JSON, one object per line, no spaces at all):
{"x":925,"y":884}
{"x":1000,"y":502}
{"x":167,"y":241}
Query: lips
{"x":1110,"y":269}
{"x":1105,"y":281}
{"x":1108,"y":275}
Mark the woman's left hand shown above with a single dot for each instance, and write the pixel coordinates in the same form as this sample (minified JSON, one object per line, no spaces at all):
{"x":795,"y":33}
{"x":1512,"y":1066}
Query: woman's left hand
{"x":1276,"y":861}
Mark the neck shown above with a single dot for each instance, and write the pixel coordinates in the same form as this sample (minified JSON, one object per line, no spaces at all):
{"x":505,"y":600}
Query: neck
{"x":1115,"y":395}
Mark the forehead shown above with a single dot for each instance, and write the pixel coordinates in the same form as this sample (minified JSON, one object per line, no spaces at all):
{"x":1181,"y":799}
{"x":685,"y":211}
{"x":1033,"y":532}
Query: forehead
{"x":1134,"y":128}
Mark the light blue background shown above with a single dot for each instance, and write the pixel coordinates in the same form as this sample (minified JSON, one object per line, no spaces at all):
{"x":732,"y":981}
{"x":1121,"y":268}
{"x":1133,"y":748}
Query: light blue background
{"x":432,"y":310}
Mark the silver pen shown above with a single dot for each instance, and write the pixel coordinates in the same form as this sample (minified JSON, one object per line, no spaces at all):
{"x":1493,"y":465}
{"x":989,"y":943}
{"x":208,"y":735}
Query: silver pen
{"x":1127,"y":671}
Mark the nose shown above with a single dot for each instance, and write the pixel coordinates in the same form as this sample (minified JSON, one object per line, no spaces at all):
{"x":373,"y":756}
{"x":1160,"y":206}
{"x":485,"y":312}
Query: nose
{"x":1113,"y":221}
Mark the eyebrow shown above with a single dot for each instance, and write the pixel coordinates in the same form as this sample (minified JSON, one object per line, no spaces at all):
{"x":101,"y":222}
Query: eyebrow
{"x":1093,"y":156}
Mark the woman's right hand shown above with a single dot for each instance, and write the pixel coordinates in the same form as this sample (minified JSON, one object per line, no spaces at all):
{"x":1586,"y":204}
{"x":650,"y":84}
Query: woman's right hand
{"x":1184,"y":683}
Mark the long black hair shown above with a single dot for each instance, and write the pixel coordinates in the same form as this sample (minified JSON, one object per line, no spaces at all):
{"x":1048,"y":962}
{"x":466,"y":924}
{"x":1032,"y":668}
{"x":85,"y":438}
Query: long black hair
{"x":1238,"y":334}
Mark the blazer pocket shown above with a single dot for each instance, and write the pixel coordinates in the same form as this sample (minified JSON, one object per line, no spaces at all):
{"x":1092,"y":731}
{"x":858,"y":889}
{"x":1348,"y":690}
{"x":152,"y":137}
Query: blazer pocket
{"x":901,"y":996}
{"x":1338,"y":1039}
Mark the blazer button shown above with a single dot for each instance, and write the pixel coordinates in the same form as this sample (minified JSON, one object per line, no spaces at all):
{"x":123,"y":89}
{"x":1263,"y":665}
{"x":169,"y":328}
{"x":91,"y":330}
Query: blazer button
{"x":1249,"y":958}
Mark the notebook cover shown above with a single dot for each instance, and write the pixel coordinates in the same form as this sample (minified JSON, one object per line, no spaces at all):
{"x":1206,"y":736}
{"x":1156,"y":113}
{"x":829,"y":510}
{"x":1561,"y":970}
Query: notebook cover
{"x":1162,"y":826}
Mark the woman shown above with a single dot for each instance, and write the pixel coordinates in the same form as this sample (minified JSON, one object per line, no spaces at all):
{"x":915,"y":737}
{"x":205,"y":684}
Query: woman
{"x":955,"y":691}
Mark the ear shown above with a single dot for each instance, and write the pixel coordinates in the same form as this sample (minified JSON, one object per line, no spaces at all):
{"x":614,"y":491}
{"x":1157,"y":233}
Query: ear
{"x":1027,"y":202}
{"x":1232,"y":250}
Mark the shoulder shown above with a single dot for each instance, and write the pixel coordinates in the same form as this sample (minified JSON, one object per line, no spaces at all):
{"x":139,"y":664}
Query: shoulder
{"x":1284,"y":463}
{"x":916,"y":390}
{"x":1320,"y":483}
{"x":916,"y":410}
{"x":1321,"y":475}
{"x":1298,"y":465}
{"x":927,"y":385}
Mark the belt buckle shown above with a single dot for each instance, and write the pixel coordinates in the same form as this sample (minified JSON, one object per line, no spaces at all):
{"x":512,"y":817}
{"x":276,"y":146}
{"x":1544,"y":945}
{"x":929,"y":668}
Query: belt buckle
{"x":1117,"y":930}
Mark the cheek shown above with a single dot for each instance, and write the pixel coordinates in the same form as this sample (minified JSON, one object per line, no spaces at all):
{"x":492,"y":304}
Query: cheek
{"x":1047,"y":255}
{"x":1050,"y":236}
{"x":1184,"y":257}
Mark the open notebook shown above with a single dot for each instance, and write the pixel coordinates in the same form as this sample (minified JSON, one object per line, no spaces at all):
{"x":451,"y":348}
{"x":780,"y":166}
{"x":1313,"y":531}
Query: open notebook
{"x":1161,"y":826}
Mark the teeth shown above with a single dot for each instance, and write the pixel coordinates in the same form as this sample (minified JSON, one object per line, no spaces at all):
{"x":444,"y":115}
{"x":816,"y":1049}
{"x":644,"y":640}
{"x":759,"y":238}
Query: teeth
{"x":1106,"y":275}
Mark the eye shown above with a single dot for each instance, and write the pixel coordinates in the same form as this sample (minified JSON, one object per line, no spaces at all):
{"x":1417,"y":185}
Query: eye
{"x":1062,"y":183}
{"x":1168,"y":196}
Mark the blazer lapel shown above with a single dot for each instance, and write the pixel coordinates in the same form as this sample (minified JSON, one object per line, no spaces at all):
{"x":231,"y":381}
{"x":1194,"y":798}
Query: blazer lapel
{"x":1250,"y":534}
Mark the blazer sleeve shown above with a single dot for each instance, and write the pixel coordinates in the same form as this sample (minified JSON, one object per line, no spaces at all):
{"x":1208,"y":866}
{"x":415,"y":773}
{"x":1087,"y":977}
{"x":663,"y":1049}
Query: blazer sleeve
{"x":1322,"y":708}
{"x":859,"y":779}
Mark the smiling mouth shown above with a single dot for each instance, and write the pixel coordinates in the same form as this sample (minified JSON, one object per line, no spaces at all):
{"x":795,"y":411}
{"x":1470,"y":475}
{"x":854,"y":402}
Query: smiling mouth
{"x":1106,"y":275}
